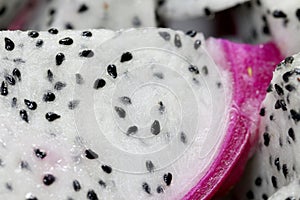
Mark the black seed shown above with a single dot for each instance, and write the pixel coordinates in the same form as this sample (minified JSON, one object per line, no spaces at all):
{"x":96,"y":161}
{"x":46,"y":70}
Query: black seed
{"x":271,"y":117}
{"x":66,"y":41}
{"x":24,"y":115}
{"x":286,"y":76}
{"x":270,"y":88}
{"x":125,"y":100}
{"x":177,"y":41}
{"x":79,"y":79}
{"x":16,"y":72}
{"x":297,"y":71}
{"x":165,"y":35}
{"x":277,"y":163}
{"x":285,"y":170}
{"x":298,"y":13}
{"x":194,"y":69}
{"x":159,"y":75}
{"x":86,"y":53}
{"x":146,"y":188}
{"x":73,"y":104}
{"x":82,"y":8}
{"x":207,"y":11}
{"x":9,"y":44}
{"x":280,"y":141}
{"x":2,"y":10}
{"x":291,"y":133}
{"x":53,"y":31}
{"x":49,"y":96}
{"x":290,"y":87}
{"x":132,"y":130}
{"x":262,"y":112}
{"x":107,"y":169}
{"x":33,"y":34}
{"x":136,"y":22}
{"x":10,"y":79}
{"x":30,"y":104}
{"x":24,"y":165}
{"x":76,"y":185}
{"x":8,"y":186}
{"x":120,"y":111}
{"x":183,"y":138}
{"x":155,"y":128}
{"x":40,"y":153}
{"x":112,"y":71}
{"x":39,"y":43}
{"x":274,"y":182}
{"x":290,"y":198}
{"x":60,"y":57}
{"x":87,"y":34}
{"x":279,"y":90}
{"x":266,"y":139}
{"x":219,"y":84}
{"x":159,"y":189}
{"x":59,"y":85}
{"x":91,"y":195}
{"x":191,"y":33}
{"x":266,"y":30}
{"x":127,"y":56}
{"x":102,"y":183}
{"x":277,"y":104}
{"x":295,"y":115}
{"x":91,"y":154}
{"x":50,"y":116}
{"x":279,"y":14}
{"x":149,"y":166}
{"x":258,"y":181}
{"x":52,"y":11}
{"x":265,"y":197}
{"x":48,"y":179}
{"x":161,"y":107}
{"x":99,"y":83}
{"x":49,"y":75}
{"x":197,"y":44}
{"x":69,"y":26}
{"x":4,"y":90}
{"x":168,"y":178}
{"x":250,"y":194}
{"x":289,"y":60}
{"x":14,"y":102}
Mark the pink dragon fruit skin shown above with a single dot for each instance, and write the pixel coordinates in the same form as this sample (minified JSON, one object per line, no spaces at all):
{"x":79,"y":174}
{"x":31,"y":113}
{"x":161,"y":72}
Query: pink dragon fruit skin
{"x":251,"y":67}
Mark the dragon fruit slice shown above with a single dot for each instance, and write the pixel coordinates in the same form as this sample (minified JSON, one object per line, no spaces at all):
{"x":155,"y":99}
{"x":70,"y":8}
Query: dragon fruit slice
{"x":276,"y":161}
{"x":289,"y":192}
{"x":8,"y":10}
{"x":83,"y":14}
{"x":126,"y":115}
{"x":178,"y":9}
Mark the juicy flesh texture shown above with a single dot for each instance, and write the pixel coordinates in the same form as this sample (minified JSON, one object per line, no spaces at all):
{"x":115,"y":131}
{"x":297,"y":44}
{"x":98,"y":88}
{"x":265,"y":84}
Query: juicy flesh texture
{"x":177,"y":9}
{"x":78,"y":14}
{"x":276,"y":162}
{"x":162,"y":86}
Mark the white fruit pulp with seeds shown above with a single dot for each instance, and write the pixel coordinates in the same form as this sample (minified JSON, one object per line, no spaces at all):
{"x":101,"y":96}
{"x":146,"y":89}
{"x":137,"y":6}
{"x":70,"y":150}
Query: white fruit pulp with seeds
{"x":66,"y":113}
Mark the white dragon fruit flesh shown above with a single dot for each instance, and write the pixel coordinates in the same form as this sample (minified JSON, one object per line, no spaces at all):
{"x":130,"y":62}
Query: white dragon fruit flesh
{"x":178,"y":9}
{"x":84,"y":14}
{"x":135,"y":114}
{"x":276,"y":162}
{"x":8,"y":10}
{"x":289,"y":192}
